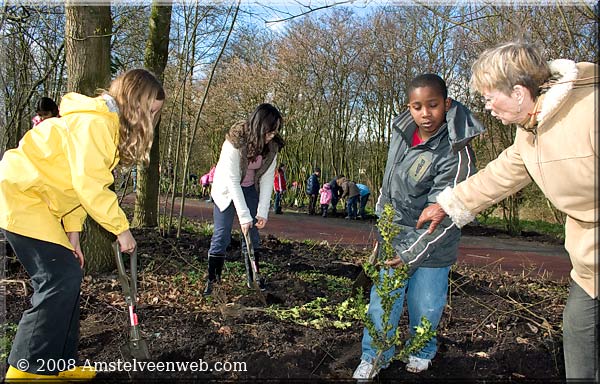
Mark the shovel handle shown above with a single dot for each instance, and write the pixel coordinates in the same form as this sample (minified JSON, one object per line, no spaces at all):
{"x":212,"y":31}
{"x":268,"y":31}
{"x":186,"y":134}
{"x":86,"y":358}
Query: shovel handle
{"x":133,"y":271}
{"x":129,"y":285}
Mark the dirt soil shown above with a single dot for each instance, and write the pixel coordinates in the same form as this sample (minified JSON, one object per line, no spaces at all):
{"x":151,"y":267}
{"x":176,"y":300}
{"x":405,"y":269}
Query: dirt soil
{"x":497,"y":327}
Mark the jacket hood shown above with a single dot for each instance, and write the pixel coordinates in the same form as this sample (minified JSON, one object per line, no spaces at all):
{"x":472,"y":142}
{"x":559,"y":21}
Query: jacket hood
{"x":462,"y":126}
{"x":566,"y":75}
{"x":77,"y":103}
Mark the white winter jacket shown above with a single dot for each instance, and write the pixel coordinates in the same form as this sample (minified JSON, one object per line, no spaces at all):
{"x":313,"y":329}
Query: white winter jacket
{"x":227,"y":183}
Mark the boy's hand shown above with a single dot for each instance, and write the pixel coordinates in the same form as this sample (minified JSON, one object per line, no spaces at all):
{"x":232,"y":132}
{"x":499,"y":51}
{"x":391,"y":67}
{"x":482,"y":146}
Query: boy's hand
{"x":394,"y":263}
{"x":433,"y":213}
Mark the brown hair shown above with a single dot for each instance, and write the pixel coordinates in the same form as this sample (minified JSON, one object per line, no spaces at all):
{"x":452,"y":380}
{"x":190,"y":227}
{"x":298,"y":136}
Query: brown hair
{"x":510,"y":64}
{"x":135,"y":91}
{"x":251,"y":133}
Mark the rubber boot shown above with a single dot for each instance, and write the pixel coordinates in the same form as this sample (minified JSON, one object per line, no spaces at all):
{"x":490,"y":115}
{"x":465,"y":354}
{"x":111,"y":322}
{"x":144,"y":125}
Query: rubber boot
{"x":13,"y":375}
{"x":215,"y":267}
{"x":78,"y":373}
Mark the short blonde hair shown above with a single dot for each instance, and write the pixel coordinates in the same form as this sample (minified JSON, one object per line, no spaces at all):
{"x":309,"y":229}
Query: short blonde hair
{"x":507,"y":65}
{"x":135,"y":91}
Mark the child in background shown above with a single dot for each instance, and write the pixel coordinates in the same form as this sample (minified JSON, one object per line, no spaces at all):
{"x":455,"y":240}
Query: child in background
{"x":326,"y":195}
{"x":45,"y":109}
{"x":429,"y":150}
{"x":280,"y":187}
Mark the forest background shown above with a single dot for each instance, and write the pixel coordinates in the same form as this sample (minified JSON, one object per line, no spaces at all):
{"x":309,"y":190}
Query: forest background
{"x":338,"y":71}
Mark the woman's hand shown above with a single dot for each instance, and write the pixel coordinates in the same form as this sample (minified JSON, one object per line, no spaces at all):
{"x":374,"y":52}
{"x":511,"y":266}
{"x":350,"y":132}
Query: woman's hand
{"x":433,"y":213}
{"x":74,"y":240}
{"x":126,"y":241}
{"x":246,"y":228}
{"x":260,"y":222}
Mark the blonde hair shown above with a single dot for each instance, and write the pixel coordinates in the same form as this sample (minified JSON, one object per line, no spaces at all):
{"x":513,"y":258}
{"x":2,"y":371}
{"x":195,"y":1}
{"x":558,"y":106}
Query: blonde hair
{"x":507,"y":65}
{"x":135,"y":91}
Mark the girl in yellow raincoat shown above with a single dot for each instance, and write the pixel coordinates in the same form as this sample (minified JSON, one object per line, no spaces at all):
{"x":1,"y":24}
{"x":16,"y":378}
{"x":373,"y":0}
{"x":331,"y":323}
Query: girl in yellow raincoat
{"x":60,"y":173}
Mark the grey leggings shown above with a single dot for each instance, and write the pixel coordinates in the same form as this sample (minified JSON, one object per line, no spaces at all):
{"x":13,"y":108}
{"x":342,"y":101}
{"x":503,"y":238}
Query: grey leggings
{"x":580,"y":335}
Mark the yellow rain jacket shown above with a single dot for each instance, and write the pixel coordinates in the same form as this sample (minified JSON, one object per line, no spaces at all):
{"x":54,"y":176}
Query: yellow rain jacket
{"x":61,"y":171}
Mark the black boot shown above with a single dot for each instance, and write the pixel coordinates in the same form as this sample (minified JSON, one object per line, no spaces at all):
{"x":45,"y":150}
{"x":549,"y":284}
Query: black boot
{"x":215,"y":267}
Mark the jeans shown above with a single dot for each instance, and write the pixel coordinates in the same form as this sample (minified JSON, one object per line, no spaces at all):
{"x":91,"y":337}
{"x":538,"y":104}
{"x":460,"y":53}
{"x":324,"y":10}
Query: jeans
{"x":580,"y":335}
{"x":363,"y":204}
{"x":277,"y":207}
{"x":223,"y":222}
{"x":426,"y":292}
{"x":49,"y":330}
{"x":351,"y":209}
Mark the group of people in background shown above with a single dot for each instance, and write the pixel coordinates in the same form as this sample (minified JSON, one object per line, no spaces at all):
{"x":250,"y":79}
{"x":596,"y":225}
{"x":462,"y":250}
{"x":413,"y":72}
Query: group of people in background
{"x":429,"y":178}
{"x":356,"y":195}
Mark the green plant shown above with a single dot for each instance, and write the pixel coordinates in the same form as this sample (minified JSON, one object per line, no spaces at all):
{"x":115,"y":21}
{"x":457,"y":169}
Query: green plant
{"x":318,"y":314}
{"x":337,"y":284}
{"x":7,"y":334}
{"x":388,"y":287}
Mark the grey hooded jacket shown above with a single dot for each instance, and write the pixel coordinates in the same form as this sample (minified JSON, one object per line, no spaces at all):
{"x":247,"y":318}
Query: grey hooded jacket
{"x":415,"y":176}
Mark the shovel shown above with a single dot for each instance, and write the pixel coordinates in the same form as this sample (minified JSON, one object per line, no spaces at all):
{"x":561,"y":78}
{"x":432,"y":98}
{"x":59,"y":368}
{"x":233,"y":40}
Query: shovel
{"x":255,"y":277}
{"x":362,"y":280}
{"x":136,"y":347}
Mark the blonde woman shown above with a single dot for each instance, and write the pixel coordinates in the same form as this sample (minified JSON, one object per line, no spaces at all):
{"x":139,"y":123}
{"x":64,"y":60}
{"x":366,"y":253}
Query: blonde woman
{"x":60,"y":173}
{"x":552,"y":104}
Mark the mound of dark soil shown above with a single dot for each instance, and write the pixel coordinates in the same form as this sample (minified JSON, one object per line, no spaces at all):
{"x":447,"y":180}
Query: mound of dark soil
{"x":496,"y":327}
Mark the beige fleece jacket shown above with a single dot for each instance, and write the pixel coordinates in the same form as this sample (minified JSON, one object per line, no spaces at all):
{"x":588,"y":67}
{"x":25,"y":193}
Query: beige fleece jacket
{"x":560,"y":156}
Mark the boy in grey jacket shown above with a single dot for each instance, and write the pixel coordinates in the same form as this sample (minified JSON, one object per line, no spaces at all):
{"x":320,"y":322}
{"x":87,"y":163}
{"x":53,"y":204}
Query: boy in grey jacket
{"x":429,"y":150}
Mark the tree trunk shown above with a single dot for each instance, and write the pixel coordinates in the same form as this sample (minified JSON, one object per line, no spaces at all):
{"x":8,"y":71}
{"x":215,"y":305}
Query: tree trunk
{"x":87,"y":49}
{"x":157,"y":49}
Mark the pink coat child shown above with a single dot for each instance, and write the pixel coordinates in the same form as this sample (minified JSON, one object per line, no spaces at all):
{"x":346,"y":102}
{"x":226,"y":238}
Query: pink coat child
{"x":206,"y":180}
{"x":326,"y":195}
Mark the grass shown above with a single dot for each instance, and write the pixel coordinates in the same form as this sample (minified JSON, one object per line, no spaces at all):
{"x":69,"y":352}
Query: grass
{"x":543,"y":227}
{"x":7,"y":334}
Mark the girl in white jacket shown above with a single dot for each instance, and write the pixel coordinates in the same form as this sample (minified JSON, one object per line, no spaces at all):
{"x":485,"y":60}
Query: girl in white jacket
{"x":243,"y":183}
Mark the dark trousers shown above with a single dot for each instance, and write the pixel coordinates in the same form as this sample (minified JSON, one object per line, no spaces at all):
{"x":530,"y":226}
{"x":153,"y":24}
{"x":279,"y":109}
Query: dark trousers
{"x":312,"y":204}
{"x":334,"y":202}
{"x":49,"y":330}
{"x":363,"y":204}
{"x":277,"y":207}
{"x":324,"y":208}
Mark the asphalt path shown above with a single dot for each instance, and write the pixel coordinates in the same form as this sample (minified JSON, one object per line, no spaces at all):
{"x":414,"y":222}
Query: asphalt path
{"x":500,"y":253}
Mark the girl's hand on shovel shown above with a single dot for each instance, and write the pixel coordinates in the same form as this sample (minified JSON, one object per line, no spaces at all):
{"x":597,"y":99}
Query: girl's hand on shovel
{"x":126,"y":241}
{"x":246,"y":228}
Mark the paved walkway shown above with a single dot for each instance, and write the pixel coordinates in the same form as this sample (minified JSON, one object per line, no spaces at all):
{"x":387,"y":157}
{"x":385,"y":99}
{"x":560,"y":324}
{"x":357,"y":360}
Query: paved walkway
{"x":502,"y":253}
